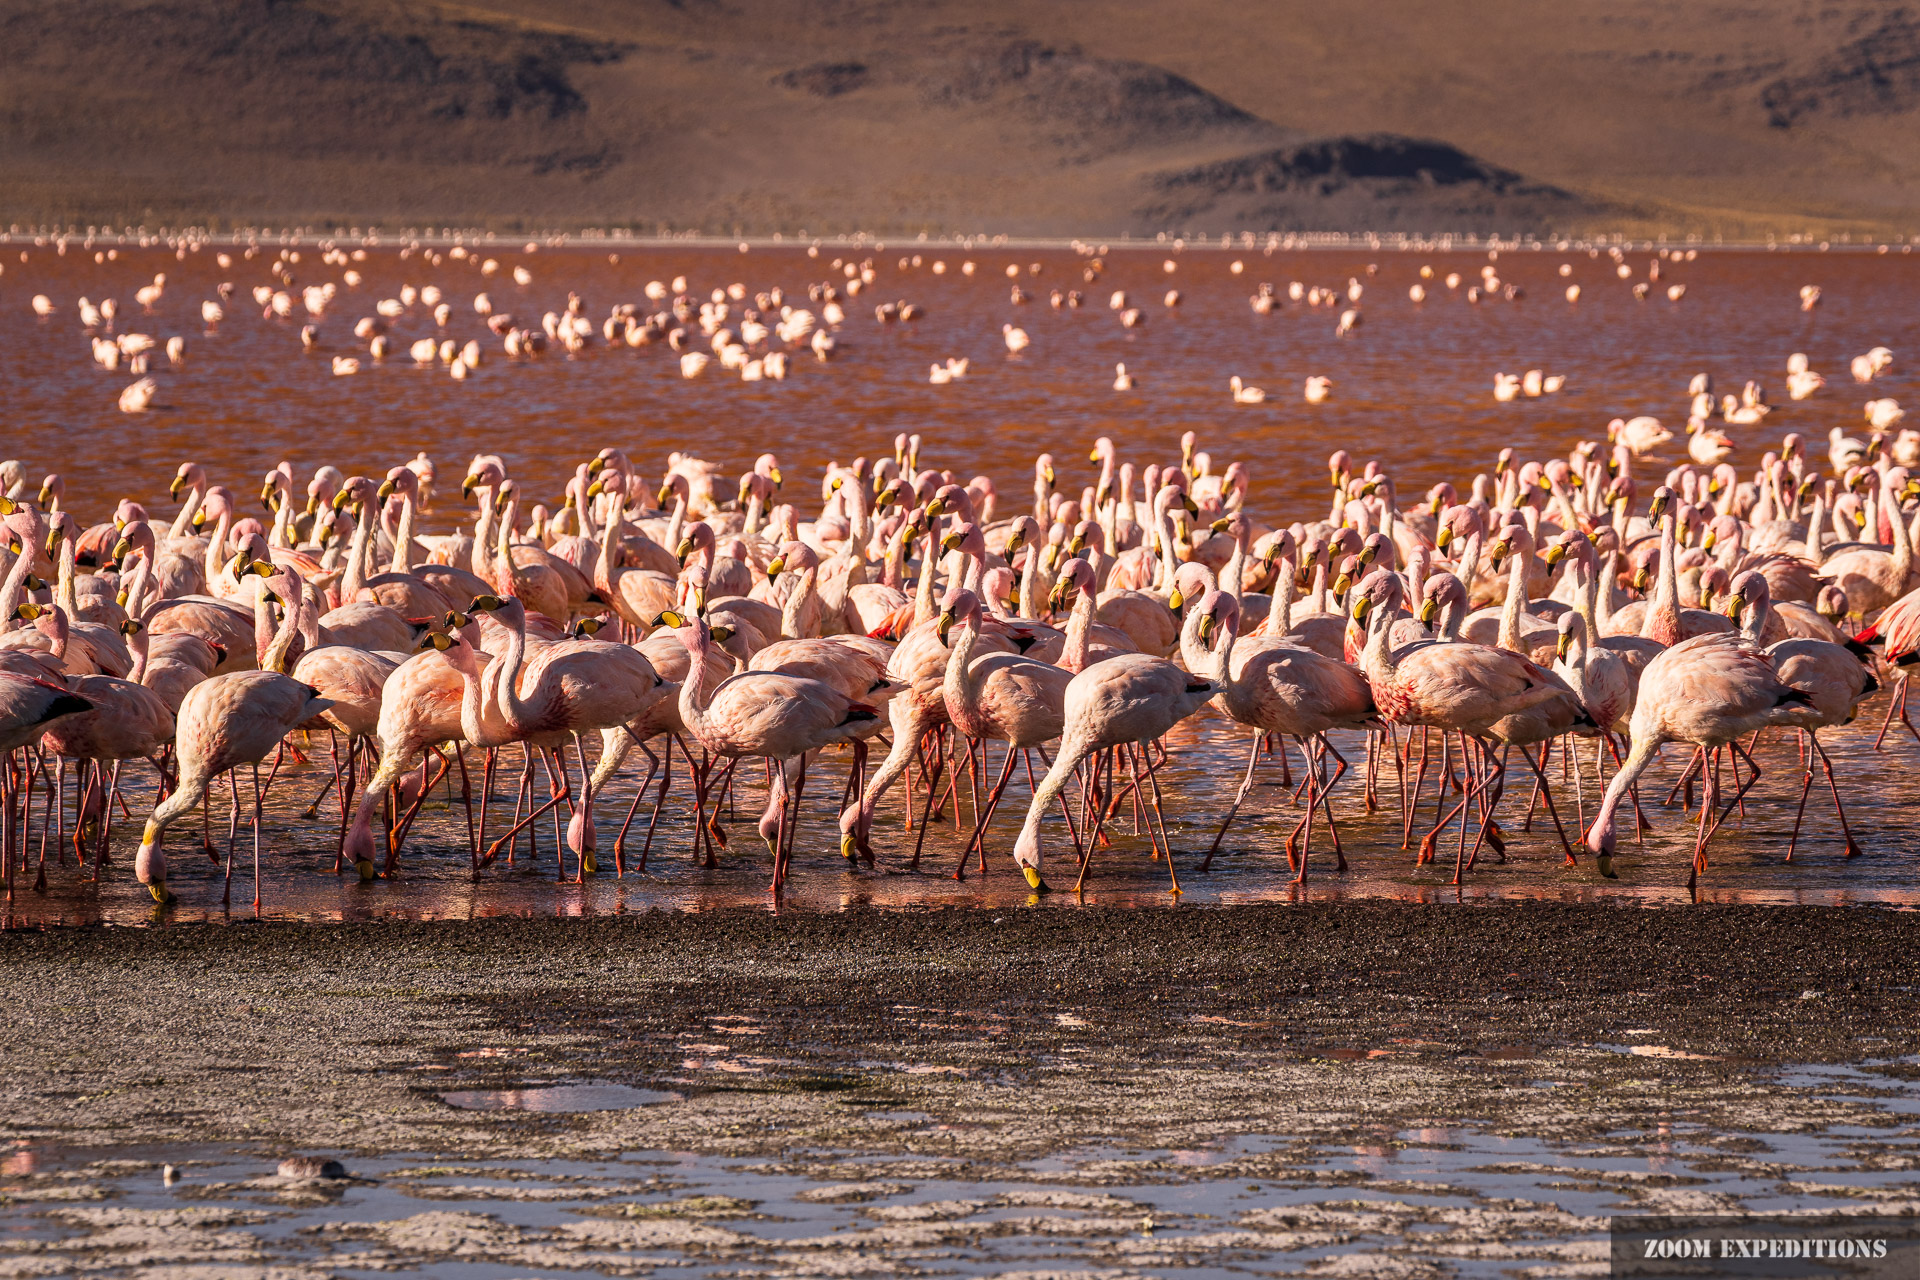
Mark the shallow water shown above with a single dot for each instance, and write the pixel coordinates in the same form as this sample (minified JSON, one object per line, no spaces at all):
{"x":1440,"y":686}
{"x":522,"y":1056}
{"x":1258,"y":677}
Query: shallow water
{"x":1453,"y":1195}
{"x":1413,"y":386}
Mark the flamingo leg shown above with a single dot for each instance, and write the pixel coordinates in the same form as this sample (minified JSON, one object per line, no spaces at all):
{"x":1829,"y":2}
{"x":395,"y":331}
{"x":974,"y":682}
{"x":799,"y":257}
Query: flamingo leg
{"x":1159,"y":815}
{"x":1246,"y":785}
{"x":259,"y":804}
{"x":985,"y":814}
{"x":1853,"y":847}
{"x":1800,"y":813}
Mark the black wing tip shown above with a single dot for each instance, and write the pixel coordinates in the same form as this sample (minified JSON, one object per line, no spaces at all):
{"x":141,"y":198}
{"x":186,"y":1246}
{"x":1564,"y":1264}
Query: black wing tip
{"x":67,"y":704}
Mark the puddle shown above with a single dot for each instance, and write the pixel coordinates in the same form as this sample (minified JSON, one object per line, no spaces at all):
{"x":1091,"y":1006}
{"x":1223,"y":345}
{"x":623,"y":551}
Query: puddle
{"x":1455,"y":1200}
{"x":585,"y":1096}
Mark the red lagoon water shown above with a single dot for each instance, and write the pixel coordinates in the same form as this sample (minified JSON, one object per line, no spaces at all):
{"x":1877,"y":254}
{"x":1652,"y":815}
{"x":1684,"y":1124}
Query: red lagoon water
{"x":1413,"y":387}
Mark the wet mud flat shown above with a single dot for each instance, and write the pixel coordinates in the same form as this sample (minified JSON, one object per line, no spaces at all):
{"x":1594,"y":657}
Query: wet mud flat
{"x":1343,"y":1088}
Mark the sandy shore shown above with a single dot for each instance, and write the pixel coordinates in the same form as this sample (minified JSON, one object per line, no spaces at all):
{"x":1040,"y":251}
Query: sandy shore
{"x":1024,"y":1032}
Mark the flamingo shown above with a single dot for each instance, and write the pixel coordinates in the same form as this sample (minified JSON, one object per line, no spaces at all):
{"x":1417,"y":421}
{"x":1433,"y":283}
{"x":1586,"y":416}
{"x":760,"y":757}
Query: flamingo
{"x":1709,"y":691}
{"x":224,"y":722}
{"x":763,"y":714}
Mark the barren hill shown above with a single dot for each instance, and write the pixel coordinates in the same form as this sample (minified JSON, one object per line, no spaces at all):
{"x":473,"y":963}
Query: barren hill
{"x":1077,"y":116}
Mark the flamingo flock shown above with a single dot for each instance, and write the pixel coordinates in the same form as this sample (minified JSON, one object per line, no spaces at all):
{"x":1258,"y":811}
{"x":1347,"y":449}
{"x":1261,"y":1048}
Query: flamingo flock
{"x":1444,"y":646}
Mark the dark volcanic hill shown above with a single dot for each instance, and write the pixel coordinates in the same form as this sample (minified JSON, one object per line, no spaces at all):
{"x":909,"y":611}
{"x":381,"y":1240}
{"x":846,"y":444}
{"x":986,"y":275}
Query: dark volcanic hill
{"x":1078,"y":116}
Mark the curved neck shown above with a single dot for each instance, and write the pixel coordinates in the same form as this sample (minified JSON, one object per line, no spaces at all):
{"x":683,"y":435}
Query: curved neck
{"x":402,"y":561}
{"x":796,"y":618}
{"x":1896,"y":520}
{"x":923,"y":607}
{"x":1663,"y":615}
{"x":675,"y":522}
{"x":517,"y":712}
{"x":1073,"y":654}
{"x":1169,"y":563}
{"x":693,"y":692}
{"x":275,"y":657}
{"x":956,"y":687}
{"x":282,"y":534}
{"x":1235,"y":571}
{"x":216,"y":546}
{"x":183,"y":521}
{"x":357,"y":554}
{"x":1030,"y":585}
{"x":1516,"y":603}
{"x":483,"y":533}
{"x":65,"y":593}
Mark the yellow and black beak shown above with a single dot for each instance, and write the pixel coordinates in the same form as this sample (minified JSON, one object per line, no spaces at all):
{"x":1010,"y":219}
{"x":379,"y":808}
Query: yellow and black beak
{"x":341,"y":499}
{"x":1564,"y":643}
{"x":666,"y":495}
{"x":1360,"y":608}
{"x":1341,"y":583}
{"x":1093,"y":455}
{"x":944,"y":625}
{"x":1176,"y":601}
{"x":587,"y":627}
{"x":455,"y":619}
{"x":1555,"y":554}
{"x":179,"y":483}
{"x":131,"y":627}
{"x":1443,"y":539}
{"x":267,"y":494}
{"x":775,"y":567}
{"x":468,"y":485}
{"x":437,"y":640}
{"x":1016,"y":540}
{"x":1220,"y":525}
{"x":684,"y":550}
{"x":773,"y":473}
{"x":1707,"y":540}
{"x":597,"y":488}
{"x":1429,"y":610}
{"x":1191,"y":507}
{"x":595,"y":467}
{"x":670,"y":618}
{"x":385,"y":490}
{"x":1207,"y":621}
{"x":1659,"y":506}
{"x":951,"y":542}
{"x":28,"y":611}
{"x":483,"y":604}
{"x":1640,"y":579}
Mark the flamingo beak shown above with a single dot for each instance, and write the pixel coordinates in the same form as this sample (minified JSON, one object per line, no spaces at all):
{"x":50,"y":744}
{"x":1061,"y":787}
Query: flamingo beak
{"x":1429,"y":610}
{"x":1206,"y":628}
{"x":1555,"y":554}
{"x":1444,"y":538}
{"x":484,"y":604}
{"x":385,"y":490}
{"x":179,"y":483}
{"x":1176,"y":601}
{"x":595,"y":467}
{"x":775,"y":567}
{"x":1360,"y":608}
{"x":1640,"y":579}
{"x":1560,"y":646}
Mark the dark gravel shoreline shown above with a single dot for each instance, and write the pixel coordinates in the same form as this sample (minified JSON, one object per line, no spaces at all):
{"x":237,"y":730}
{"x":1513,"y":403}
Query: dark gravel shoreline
{"x":1020,"y":1032}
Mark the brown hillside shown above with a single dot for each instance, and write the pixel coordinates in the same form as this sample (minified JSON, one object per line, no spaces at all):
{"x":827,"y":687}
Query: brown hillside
{"x":1080,"y":116}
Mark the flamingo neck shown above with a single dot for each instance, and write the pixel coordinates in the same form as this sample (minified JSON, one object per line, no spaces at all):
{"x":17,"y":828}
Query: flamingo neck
{"x":923,"y":607}
{"x":483,"y":532}
{"x":183,"y":521}
{"x":956,"y":687}
{"x":274,"y":657}
{"x":1073,"y":654}
{"x":216,"y":545}
{"x":402,"y":561}
{"x":518,"y":714}
{"x":1235,"y":572}
{"x":800,"y":614}
{"x":356,"y":573}
{"x":1663,"y":617}
{"x":1516,"y":602}
{"x":1169,"y":564}
{"x":676,"y":521}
